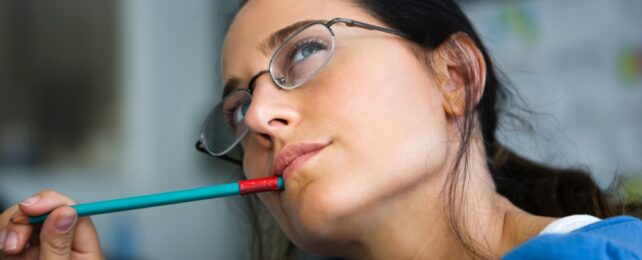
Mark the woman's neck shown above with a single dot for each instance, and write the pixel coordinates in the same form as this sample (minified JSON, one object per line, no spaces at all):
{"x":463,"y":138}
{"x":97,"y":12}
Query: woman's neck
{"x":520,"y":226}
{"x":416,"y":224}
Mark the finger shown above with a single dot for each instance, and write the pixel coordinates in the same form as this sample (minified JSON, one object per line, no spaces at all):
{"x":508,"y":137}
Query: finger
{"x":86,"y":238}
{"x":57,"y":234}
{"x":31,"y":253}
{"x":6,"y":215}
{"x":16,"y":236}
{"x":85,"y":235}
{"x":3,"y":234}
{"x":4,"y":222}
{"x":43,"y":202}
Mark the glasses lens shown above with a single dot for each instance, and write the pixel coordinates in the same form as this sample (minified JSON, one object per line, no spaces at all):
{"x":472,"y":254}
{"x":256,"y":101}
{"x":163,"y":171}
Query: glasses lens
{"x":302,"y":56}
{"x":225,"y":127}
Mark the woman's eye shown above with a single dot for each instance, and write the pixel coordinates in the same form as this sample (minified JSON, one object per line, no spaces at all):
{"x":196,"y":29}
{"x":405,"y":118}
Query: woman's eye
{"x":305,"y":50}
{"x":303,"y":53}
{"x":239,"y":113}
{"x":235,"y":115}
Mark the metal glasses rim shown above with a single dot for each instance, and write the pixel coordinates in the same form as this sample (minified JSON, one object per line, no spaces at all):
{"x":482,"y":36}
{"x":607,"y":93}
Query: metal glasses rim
{"x":211,"y":116}
{"x":294,"y":34}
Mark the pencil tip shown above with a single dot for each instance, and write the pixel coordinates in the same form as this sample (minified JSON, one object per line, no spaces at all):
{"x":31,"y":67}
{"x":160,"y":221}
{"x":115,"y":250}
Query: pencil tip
{"x":20,"y":220}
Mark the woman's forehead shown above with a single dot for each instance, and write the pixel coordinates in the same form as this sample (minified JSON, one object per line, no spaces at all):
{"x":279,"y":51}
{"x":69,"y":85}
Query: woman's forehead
{"x":258,"y":19}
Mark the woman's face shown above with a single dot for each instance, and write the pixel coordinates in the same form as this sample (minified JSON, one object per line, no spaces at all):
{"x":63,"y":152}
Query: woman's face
{"x":374,"y":109}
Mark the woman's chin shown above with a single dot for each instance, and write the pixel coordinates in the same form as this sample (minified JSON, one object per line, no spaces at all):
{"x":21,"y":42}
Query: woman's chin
{"x":320,"y":215}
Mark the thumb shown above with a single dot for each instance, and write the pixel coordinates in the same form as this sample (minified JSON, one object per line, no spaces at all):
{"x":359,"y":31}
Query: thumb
{"x":56,"y":235}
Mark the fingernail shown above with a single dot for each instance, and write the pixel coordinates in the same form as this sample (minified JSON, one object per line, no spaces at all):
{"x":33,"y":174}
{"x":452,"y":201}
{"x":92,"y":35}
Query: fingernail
{"x":65,"y":222}
{"x":30,"y":201}
{"x":3,"y":233}
{"x":11,"y":242}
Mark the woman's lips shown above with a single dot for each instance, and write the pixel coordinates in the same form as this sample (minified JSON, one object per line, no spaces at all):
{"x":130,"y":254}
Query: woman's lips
{"x":292,"y":157}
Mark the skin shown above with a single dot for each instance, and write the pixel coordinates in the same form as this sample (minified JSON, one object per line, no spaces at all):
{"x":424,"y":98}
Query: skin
{"x":391,"y":122}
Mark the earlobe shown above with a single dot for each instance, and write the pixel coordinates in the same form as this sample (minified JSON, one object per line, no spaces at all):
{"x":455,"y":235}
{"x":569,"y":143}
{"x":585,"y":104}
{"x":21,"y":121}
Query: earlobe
{"x":461,"y":74}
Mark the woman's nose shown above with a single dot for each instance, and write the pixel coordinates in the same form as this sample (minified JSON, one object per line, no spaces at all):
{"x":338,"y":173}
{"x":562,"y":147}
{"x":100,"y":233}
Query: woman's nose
{"x":271,"y":113}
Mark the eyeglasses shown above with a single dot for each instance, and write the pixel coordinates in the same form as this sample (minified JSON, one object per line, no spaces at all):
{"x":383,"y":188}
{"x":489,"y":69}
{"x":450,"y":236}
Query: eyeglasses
{"x":301,"y":56}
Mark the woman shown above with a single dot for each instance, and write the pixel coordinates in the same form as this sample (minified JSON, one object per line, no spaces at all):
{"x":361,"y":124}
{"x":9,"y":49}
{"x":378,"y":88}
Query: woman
{"x":381,"y":118}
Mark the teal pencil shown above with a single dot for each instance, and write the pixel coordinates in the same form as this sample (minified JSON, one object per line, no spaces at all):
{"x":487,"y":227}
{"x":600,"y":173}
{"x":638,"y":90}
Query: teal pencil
{"x":159,"y":199}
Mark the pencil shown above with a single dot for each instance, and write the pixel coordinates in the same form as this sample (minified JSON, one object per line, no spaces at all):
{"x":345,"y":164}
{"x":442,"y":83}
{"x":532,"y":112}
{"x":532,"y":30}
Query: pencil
{"x":159,"y":199}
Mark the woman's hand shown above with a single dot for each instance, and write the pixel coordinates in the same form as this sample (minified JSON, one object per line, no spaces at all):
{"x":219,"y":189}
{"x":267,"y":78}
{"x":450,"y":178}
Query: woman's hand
{"x":61,"y":236}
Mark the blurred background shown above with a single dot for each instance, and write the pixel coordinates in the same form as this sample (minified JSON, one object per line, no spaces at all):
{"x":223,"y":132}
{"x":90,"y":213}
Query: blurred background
{"x":104,"y":99}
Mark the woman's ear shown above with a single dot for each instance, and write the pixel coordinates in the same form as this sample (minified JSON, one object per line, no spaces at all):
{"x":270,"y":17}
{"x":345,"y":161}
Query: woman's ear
{"x":461,"y":74}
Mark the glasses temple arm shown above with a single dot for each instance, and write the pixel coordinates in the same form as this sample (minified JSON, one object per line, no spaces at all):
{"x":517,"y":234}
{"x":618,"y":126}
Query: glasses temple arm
{"x":224,"y":157}
{"x":350,"y":22}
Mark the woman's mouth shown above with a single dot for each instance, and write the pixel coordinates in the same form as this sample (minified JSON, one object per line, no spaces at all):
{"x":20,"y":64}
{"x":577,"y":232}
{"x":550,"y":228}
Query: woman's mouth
{"x":292,"y":157}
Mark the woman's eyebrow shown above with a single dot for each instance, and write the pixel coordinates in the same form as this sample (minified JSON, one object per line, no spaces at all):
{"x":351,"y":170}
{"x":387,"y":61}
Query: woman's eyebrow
{"x":230,"y":85}
{"x":277,"y":38}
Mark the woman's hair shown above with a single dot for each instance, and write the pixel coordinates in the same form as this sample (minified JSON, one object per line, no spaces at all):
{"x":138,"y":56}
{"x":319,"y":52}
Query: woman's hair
{"x":533,"y":187}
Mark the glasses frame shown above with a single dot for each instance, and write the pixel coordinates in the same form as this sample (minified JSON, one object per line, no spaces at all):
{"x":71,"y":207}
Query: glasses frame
{"x":200,"y":144}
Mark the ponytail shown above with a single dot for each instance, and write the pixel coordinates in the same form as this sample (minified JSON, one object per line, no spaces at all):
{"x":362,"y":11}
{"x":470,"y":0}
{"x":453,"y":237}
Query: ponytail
{"x":548,"y":191}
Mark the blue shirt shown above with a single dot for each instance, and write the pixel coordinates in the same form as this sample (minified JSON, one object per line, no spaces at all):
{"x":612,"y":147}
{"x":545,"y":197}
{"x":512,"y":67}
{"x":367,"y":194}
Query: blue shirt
{"x":612,"y":238}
